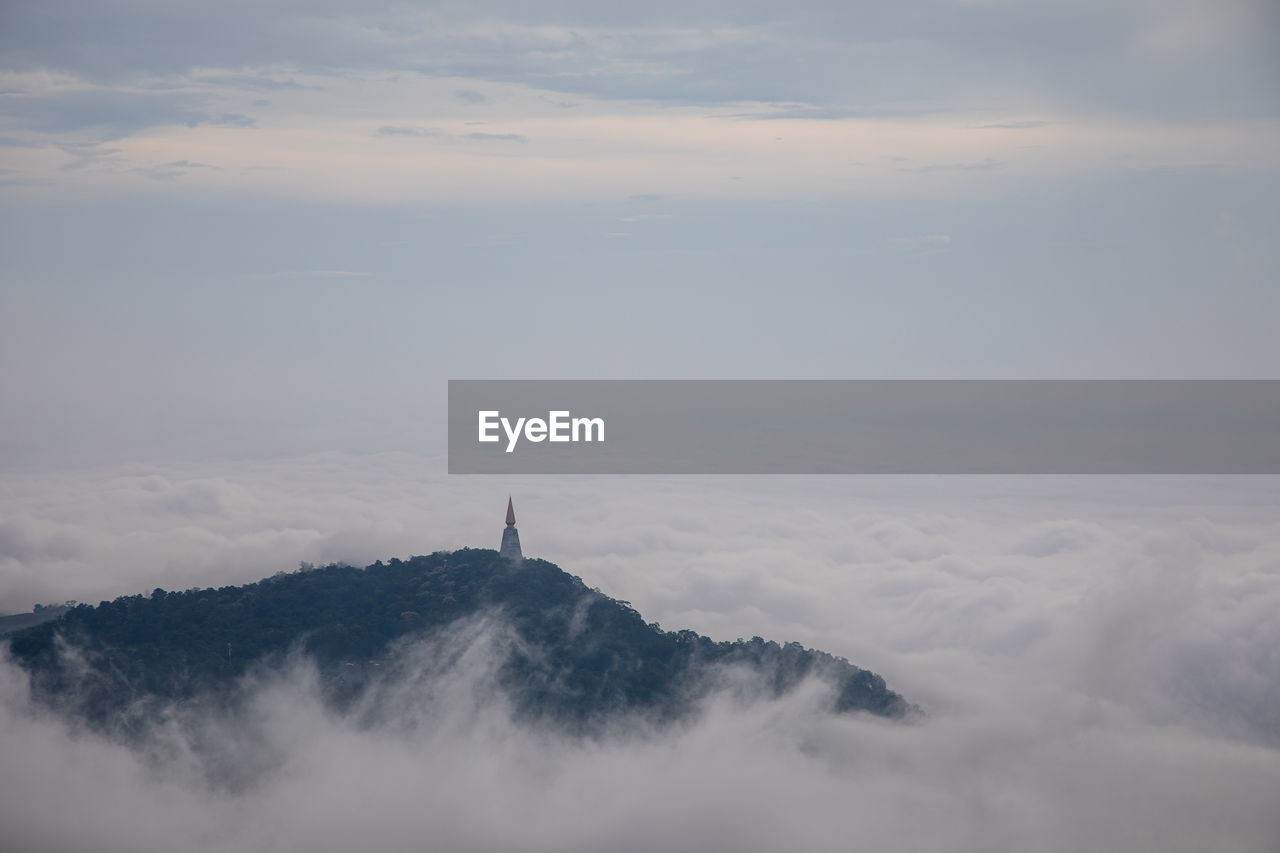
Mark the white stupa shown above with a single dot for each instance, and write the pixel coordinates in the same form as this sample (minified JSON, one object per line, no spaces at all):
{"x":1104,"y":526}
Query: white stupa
{"x":510,"y":549}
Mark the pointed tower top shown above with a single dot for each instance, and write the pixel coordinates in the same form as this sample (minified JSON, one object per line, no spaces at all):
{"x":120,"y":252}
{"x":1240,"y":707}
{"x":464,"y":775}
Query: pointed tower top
{"x":510,"y":549}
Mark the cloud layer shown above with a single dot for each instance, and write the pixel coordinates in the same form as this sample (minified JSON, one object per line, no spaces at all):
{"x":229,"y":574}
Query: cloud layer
{"x":612,"y":102}
{"x":441,"y":761}
{"x":1096,"y":656}
{"x":862,"y":55}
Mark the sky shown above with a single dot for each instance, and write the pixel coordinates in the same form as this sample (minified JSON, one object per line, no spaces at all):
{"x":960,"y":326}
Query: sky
{"x":228,"y":223}
{"x":243,"y":246}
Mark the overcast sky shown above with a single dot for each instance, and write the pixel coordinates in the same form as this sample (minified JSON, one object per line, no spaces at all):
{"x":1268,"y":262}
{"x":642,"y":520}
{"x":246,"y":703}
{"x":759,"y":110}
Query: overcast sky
{"x":243,"y":246}
{"x":244,"y":229}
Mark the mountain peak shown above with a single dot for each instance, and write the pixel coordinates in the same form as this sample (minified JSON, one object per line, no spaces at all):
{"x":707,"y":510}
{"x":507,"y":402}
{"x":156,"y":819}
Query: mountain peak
{"x":581,"y":656}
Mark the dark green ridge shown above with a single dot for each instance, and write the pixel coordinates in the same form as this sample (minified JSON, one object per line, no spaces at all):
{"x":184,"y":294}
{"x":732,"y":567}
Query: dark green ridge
{"x":42,"y":613}
{"x":581,"y":658}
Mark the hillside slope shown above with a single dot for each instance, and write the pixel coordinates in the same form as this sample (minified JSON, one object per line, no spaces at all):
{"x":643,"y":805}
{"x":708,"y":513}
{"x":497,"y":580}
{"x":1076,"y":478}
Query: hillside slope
{"x":577,"y":658}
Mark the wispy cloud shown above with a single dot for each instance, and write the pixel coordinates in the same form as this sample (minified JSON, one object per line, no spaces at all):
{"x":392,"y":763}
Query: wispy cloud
{"x":407,"y":130}
{"x":438,"y":133}
{"x":644,"y":217}
{"x":976,"y":166}
{"x":1014,"y":125}
{"x":233,"y":120}
{"x":173,"y":170}
{"x":480,"y":136}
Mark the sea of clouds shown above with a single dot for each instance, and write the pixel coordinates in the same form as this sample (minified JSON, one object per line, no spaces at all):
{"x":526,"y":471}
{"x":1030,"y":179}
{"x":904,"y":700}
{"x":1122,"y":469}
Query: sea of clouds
{"x":1098,"y":659}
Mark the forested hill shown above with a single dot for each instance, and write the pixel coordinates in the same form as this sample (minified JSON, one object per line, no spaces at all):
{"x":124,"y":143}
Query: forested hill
{"x":579,"y":657}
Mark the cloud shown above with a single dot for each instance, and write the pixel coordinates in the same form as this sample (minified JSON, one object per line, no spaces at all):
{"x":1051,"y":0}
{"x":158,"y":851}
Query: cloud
{"x":114,"y":113}
{"x":322,"y":139}
{"x":233,"y":120}
{"x":1057,"y":538}
{"x":496,"y":137}
{"x":923,"y":56}
{"x":879,"y":575}
{"x":976,"y":166}
{"x":436,"y":133}
{"x":401,"y":130}
{"x":1078,"y":643}
{"x":27,"y":539}
{"x":1014,"y":125}
{"x":90,"y":154}
{"x":172,"y":170}
{"x":644,"y":217}
{"x":438,"y":756}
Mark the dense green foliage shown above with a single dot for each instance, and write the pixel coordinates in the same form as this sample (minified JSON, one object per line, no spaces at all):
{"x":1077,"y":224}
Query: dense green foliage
{"x":578,"y":657}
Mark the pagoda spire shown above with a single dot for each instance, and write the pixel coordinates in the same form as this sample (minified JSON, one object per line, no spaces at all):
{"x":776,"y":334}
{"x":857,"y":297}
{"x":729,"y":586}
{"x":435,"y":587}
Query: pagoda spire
{"x":510,"y":549}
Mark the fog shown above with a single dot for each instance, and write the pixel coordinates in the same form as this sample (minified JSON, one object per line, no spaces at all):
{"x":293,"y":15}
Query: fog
{"x":448,"y":770}
{"x":1095,"y":656}
{"x":245,"y":245}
